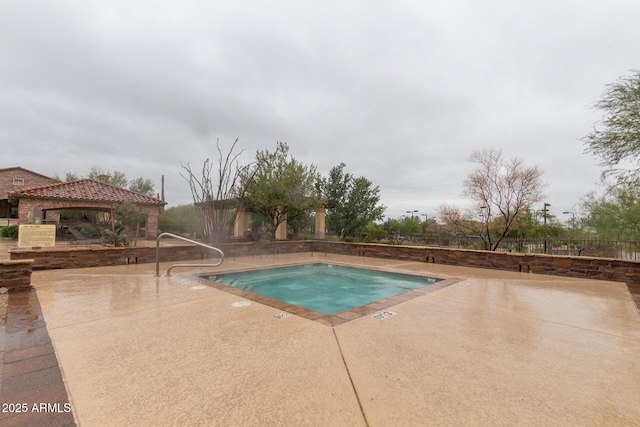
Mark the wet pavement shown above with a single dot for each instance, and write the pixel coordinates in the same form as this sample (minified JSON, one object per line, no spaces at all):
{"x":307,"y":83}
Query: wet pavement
{"x":491,"y":348}
{"x":32,"y":391}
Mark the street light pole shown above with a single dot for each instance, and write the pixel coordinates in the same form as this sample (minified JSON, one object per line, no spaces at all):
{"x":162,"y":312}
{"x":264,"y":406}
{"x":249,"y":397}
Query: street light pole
{"x":412,"y":212}
{"x":573,"y":221}
{"x":544,"y":216}
{"x":487,"y":241}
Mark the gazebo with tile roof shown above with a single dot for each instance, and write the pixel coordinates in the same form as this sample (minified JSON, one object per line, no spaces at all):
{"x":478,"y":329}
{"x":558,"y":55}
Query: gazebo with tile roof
{"x":86,"y":194}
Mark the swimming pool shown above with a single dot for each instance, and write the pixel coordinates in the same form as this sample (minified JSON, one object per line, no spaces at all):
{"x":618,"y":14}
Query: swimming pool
{"x":325,"y":288}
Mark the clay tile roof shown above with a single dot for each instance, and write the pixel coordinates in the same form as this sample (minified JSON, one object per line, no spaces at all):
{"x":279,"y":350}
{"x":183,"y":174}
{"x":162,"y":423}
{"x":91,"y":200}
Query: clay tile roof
{"x":86,"y":190}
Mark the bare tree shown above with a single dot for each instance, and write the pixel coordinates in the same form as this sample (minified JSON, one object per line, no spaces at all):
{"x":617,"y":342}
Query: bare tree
{"x":499,"y":189}
{"x":214,"y":195}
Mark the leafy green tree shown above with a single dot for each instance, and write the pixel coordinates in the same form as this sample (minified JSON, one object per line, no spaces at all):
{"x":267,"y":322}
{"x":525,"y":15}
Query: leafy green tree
{"x":615,"y":215}
{"x":278,"y":187}
{"x":525,"y":226}
{"x":68,"y":177}
{"x":406,"y":225}
{"x":117,"y":178}
{"x":393,"y":226}
{"x":302,"y":222}
{"x":143,"y":186}
{"x":375,"y":232}
{"x":129,"y":217}
{"x":615,"y":139}
{"x":356,"y":202}
{"x":530,"y":225}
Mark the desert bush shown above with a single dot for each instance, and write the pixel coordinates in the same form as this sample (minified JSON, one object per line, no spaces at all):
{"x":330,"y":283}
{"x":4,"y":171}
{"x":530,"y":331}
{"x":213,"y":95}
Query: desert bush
{"x":10,"y":231}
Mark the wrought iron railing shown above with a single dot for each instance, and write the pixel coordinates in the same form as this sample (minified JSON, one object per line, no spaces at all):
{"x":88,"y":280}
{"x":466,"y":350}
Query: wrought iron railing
{"x":619,"y":249}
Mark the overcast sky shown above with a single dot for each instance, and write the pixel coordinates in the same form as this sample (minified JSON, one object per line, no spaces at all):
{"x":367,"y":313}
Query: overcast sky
{"x":400,"y":91}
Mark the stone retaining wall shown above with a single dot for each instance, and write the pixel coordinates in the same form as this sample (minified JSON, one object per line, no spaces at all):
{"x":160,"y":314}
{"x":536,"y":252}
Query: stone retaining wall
{"x":572,"y":266}
{"x":16,"y":275}
{"x":584,"y":267}
{"x":96,"y":256}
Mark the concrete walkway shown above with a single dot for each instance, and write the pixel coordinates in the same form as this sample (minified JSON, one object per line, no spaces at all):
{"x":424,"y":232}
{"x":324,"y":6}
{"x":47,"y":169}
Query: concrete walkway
{"x":495,"y":348}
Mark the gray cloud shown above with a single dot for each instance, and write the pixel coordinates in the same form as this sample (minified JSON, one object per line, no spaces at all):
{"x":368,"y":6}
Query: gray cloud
{"x":401,"y":93}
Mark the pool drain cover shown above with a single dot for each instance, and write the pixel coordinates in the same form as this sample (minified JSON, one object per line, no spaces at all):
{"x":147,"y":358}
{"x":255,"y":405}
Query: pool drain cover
{"x":384,"y":315}
{"x":240,"y":304}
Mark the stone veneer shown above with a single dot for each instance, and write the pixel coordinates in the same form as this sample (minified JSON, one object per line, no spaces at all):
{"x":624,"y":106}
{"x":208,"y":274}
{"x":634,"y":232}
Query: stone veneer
{"x":16,"y":275}
{"x":95,"y":256}
{"x":572,"y":266}
{"x":583,"y":267}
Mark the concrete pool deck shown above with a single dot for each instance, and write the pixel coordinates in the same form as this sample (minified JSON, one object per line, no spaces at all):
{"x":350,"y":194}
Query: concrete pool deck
{"x":493,"y":348}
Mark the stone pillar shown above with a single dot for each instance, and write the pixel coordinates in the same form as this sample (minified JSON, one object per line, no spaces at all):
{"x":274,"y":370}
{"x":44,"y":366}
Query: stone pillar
{"x":241,"y":223}
{"x":25,"y":207}
{"x":320,"y":217}
{"x":151,"y":227}
{"x":16,"y":275}
{"x":53,"y":217}
{"x":281,"y":231}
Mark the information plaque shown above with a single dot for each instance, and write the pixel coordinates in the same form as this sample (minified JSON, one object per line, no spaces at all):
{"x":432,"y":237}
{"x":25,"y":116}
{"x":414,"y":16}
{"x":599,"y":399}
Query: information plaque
{"x":35,"y":235}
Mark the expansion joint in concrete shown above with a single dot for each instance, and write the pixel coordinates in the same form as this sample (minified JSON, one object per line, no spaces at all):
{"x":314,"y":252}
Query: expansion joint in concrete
{"x":353,"y":386}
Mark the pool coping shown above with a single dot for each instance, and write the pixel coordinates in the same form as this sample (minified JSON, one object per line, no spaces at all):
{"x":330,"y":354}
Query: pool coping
{"x":325,"y":319}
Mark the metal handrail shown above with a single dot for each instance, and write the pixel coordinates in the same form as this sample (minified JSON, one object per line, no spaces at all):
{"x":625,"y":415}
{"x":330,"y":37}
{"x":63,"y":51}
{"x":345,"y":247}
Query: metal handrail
{"x":183,"y":265}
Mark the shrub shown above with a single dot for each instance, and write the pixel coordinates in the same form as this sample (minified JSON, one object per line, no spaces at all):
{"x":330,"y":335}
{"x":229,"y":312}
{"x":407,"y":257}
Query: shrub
{"x":375,"y":234}
{"x":114,"y":239}
{"x":10,"y":231}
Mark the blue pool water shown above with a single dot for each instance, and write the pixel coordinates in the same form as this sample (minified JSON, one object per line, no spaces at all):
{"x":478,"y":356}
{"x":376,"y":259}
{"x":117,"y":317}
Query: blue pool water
{"x":328,"y":289}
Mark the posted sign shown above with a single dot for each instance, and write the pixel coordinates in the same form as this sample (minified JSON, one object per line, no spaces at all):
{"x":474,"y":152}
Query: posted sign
{"x":36,"y":235}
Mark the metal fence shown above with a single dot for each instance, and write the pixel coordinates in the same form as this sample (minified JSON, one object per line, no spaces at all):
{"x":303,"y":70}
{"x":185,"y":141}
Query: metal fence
{"x":619,"y":249}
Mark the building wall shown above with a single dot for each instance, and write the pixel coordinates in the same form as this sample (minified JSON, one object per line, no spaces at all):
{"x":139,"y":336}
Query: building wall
{"x":31,"y":179}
